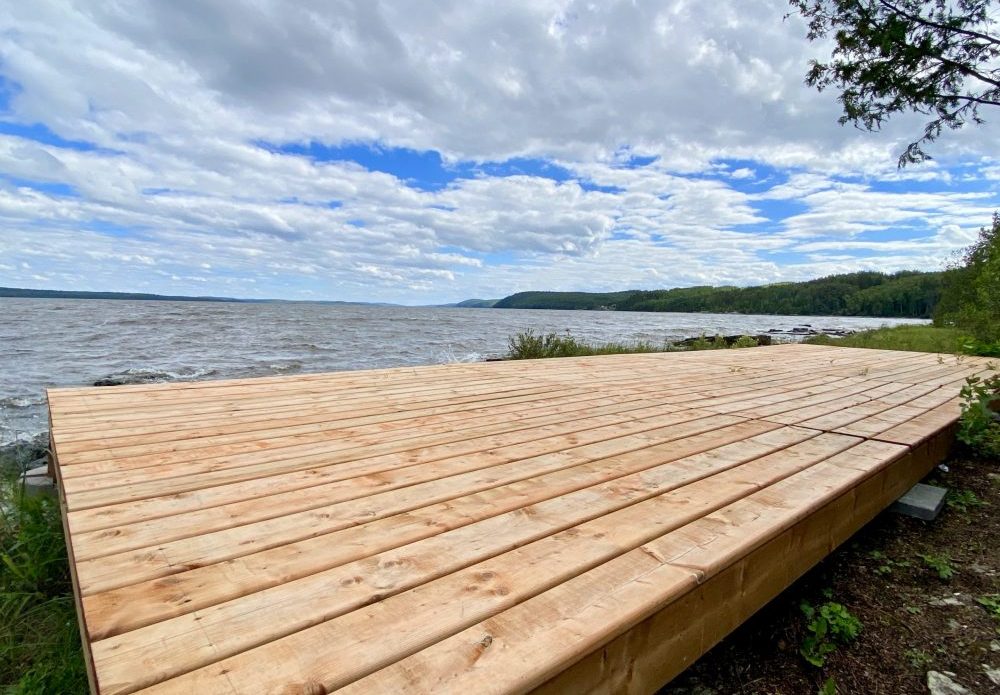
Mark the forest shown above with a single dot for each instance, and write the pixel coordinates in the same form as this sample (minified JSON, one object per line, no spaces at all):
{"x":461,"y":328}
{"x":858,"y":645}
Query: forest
{"x":908,"y":294}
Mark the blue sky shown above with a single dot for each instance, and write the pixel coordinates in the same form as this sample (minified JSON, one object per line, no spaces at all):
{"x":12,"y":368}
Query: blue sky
{"x":475,"y":150}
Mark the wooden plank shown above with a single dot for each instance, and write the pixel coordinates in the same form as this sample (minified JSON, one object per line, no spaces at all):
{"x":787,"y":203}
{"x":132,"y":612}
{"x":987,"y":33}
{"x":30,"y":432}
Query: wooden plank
{"x":169,"y":558}
{"x":350,"y":641}
{"x":341,"y":436}
{"x":136,"y":605}
{"x":103,"y":489}
{"x":675,"y":384}
{"x":377,"y":495}
{"x":766,"y":550}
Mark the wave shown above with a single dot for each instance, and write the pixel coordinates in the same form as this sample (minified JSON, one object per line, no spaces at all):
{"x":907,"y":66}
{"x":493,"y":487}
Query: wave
{"x":451,"y":357}
{"x":285,"y":367}
{"x":21,"y":402}
{"x":147,"y":375}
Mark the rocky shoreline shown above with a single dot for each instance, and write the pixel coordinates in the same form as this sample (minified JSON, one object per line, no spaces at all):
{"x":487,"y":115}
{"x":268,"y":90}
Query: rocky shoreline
{"x":24,"y":454}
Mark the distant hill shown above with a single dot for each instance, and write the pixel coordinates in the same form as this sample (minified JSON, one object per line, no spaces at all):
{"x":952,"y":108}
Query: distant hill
{"x":72,"y":294}
{"x":906,"y":294}
{"x":565,"y":300}
{"x":476,"y":303}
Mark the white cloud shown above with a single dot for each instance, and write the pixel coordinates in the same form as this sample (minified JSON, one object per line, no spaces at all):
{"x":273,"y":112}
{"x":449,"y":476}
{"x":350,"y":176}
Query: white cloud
{"x":175,"y":96}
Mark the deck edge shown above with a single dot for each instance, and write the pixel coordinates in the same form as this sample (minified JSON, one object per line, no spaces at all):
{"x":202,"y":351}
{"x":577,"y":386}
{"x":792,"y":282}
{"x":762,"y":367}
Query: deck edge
{"x":88,"y":657}
{"x":650,"y":654}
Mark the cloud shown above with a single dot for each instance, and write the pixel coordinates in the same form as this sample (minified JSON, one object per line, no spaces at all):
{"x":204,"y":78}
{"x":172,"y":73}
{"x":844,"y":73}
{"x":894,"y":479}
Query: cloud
{"x":577,"y":145}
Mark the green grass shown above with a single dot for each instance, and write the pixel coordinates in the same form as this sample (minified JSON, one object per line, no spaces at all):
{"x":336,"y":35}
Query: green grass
{"x":39,"y":640}
{"x":913,"y":338}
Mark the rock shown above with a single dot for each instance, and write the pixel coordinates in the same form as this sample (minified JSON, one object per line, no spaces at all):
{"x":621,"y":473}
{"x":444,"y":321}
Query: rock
{"x":21,"y":455}
{"x":941,"y":683}
{"x":134,"y":376}
{"x":982,"y":569}
{"x":992,"y":673}
{"x":947,"y":601}
{"x":730,"y":339}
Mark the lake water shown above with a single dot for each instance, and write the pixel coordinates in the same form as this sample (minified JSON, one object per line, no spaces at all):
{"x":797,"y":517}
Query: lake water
{"x":55,"y":342}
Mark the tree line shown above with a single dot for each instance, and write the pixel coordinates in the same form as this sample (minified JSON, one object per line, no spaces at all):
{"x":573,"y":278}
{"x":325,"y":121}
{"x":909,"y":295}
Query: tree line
{"x":906,"y":294}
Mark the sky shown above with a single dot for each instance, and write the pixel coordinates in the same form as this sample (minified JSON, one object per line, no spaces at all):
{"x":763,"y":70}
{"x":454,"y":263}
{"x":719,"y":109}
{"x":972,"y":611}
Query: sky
{"x":437,"y":151}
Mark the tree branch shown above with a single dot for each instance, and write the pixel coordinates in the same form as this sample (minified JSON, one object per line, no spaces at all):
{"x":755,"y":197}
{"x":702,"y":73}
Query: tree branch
{"x":943,"y":27}
{"x":966,"y":97}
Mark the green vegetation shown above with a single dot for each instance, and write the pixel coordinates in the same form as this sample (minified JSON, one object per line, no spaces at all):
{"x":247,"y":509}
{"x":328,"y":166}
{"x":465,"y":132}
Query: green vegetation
{"x":918,"y":658}
{"x":529,"y":346}
{"x":970,"y":297}
{"x":913,"y":338}
{"x":829,"y":625}
{"x":39,"y":640}
{"x":903,"y":294}
{"x":942,"y":564}
{"x":829,"y":687}
{"x":564,"y":300}
{"x":886,"y":565}
{"x":979,"y":426}
{"x":991,"y":602}
{"x":962,"y":501}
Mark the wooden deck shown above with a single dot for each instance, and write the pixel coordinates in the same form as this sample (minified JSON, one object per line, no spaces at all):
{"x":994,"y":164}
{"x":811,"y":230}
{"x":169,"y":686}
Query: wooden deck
{"x":576,"y":525}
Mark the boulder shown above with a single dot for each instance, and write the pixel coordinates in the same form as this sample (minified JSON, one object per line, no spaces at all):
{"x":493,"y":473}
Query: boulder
{"x":942,"y":683}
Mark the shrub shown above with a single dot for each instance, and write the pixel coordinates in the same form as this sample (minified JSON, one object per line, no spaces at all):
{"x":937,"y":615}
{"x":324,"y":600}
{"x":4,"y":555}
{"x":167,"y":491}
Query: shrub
{"x":528,"y":346}
{"x":979,"y":424}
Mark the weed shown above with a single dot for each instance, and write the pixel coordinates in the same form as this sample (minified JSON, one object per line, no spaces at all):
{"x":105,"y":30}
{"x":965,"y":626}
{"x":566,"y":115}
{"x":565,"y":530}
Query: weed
{"x":964,"y":500}
{"x":940,"y":564}
{"x":885,"y":564}
{"x":829,"y":625}
{"x":991,"y":602}
{"x":918,"y":658}
{"x":829,"y":687}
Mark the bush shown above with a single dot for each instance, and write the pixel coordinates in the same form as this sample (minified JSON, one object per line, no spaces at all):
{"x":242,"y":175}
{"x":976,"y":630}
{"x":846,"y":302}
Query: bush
{"x":979,"y":424}
{"x":528,"y":346}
